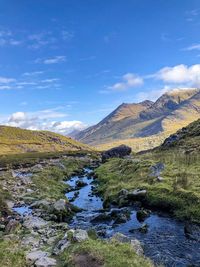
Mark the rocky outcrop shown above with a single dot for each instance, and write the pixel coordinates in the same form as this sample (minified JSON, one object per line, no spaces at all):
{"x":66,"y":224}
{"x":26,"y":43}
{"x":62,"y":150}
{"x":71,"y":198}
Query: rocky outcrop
{"x":116,"y":152}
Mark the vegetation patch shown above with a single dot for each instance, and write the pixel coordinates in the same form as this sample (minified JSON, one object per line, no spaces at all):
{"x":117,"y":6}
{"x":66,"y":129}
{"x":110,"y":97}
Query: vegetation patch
{"x":11,"y":255}
{"x":102,"y":253}
{"x":177,"y":193}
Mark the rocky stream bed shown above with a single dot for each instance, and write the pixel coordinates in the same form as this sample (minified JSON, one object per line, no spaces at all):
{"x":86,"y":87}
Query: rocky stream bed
{"x":157,"y":235}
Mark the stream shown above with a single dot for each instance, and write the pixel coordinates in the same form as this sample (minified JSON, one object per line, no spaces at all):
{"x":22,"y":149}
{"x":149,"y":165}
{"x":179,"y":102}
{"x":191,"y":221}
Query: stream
{"x":164,"y":242}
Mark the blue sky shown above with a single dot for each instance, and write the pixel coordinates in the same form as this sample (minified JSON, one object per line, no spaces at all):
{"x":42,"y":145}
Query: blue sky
{"x":66,"y":64}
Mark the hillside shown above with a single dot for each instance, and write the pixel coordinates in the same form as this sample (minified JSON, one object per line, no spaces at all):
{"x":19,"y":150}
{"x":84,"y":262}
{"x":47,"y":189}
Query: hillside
{"x":15,"y":140}
{"x":186,"y":139}
{"x":146,"y":124}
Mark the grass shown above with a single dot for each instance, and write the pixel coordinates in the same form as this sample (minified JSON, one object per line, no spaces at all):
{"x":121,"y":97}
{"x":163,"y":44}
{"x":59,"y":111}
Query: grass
{"x":107,"y":254}
{"x":15,"y":140}
{"x":49,"y":181}
{"x":178,"y":193}
{"x":13,"y":160}
{"x":11,"y":255}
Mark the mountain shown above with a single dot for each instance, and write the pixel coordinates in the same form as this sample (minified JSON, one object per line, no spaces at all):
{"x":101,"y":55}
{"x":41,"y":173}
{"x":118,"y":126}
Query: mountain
{"x":15,"y":140}
{"x":145,"y":125}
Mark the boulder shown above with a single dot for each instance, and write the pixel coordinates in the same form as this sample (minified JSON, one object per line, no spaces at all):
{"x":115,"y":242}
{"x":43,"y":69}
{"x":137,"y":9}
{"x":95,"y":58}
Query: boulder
{"x":137,"y":194}
{"x":142,"y":214}
{"x":116,"y":152}
{"x":33,"y":256}
{"x":62,"y":210}
{"x":80,"y":184}
{"x":80,"y":235}
{"x":136,"y":245}
{"x":46,"y":262}
{"x":120,"y":238}
{"x":35,"y":222}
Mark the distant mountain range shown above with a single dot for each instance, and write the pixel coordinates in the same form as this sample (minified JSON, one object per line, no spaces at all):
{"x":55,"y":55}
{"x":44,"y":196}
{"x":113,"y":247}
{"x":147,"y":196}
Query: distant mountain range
{"x":144,"y":125}
{"x":15,"y":140}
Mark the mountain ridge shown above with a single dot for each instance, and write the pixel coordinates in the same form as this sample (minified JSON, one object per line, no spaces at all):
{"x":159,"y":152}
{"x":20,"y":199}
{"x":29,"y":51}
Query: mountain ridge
{"x":170,"y":112}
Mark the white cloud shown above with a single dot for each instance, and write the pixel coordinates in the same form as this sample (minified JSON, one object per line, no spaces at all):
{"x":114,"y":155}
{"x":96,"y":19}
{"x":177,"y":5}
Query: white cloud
{"x":192,"y":47}
{"x":6,"y":80}
{"x":53,"y":60}
{"x":42,"y":120}
{"x":5,"y":87}
{"x":180,"y":74}
{"x":129,"y":80}
{"x":33,"y":73}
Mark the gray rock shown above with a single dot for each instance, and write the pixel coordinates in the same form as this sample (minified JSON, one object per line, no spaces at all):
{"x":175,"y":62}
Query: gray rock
{"x":120,"y":238}
{"x":33,"y":256}
{"x":61,"y":246}
{"x":80,"y":235}
{"x":136,"y":245}
{"x":60,"y":205}
{"x":31,"y":222}
{"x":45,"y":262}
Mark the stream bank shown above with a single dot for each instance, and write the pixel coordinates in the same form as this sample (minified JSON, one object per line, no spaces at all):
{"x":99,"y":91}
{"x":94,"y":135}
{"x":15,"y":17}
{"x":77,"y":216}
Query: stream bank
{"x":44,"y":237}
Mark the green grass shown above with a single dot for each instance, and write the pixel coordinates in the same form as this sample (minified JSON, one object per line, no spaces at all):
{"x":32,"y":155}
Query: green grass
{"x":108,"y":254}
{"x":15,"y":140}
{"x":11,"y":255}
{"x":178,"y":193}
{"x":49,"y":181}
{"x":13,"y":160}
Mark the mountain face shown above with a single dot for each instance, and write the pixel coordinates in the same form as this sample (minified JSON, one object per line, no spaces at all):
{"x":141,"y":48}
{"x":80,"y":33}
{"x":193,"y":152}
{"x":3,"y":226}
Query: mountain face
{"x":145,"y":120}
{"x":15,"y":140}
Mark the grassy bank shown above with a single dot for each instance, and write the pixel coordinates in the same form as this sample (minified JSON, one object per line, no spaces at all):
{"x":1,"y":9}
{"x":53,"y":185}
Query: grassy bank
{"x":178,"y":193}
{"x":11,"y":255}
{"x":98,"y":253}
{"x":49,"y":181}
{"x":30,"y":158}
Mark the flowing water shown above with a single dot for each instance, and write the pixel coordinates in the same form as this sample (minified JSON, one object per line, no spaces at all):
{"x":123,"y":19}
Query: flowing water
{"x":165,"y":242}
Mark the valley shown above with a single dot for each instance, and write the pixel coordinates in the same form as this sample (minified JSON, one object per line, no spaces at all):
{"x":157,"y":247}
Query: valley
{"x":70,"y":209}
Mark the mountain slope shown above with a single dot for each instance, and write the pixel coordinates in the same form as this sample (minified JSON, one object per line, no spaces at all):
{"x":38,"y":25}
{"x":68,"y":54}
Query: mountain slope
{"x":147,"y":121}
{"x":16,"y":140}
{"x":187,"y":138}
{"x":114,"y":124}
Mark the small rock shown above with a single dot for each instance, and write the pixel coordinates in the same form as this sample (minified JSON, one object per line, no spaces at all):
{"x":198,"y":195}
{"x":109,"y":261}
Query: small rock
{"x":142,"y":215}
{"x":80,"y":235}
{"x":45,"y":262}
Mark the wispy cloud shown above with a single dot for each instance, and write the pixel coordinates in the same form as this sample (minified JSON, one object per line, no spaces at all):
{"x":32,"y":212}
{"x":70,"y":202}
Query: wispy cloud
{"x":6,"y":80}
{"x":53,"y":60}
{"x":192,"y":47}
{"x":128,"y":80}
{"x":33,"y":73}
{"x":66,"y":35}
